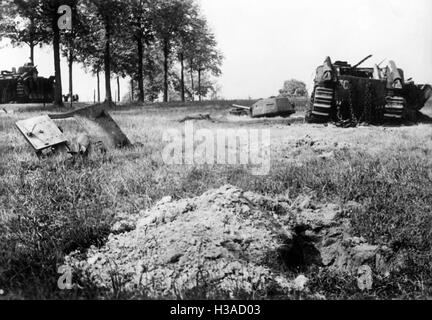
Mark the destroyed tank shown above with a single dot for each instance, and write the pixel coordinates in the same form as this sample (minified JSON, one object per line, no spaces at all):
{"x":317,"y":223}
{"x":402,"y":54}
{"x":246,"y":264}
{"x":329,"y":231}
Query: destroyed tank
{"x":25,"y":86}
{"x":267,"y":108}
{"x":345,"y":93}
{"x":273,"y":107}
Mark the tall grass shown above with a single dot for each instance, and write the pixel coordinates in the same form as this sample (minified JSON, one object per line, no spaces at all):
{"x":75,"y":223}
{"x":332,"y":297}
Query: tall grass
{"x":48,"y":212}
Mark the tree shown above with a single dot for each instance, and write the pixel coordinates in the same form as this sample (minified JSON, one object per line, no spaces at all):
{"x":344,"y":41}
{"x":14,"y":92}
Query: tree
{"x":170,"y":17}
{"x":153,"y":72}
{"x":93,"y":63}
{"x":294,"y":87}
{"x":135,"y":38}
{"x":186,"y":43}
{"x":89,"y":47}
{"x":206,"y":58}
{"x":141,"y":26}
{"x":21,"y":24}
{"x":74,"y":39}
{"x":49,"y":17}
{"x":109,"y":14}
{"x":207,"y":85}
{"x":199,"y":48}
{"x":126,"y":30}
{"x":123,"y":58}
{"x":215,"y":91}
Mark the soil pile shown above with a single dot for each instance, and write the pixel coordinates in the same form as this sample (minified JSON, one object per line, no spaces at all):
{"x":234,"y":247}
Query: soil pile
{"x":226,"y":242}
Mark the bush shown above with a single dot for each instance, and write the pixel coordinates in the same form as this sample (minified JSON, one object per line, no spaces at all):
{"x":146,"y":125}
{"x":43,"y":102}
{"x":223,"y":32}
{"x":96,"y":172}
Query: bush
{"x":294,"y":88}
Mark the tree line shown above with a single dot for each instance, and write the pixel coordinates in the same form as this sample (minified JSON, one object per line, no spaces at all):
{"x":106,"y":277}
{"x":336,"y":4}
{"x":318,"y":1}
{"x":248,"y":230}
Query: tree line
{"x":164,"y":46}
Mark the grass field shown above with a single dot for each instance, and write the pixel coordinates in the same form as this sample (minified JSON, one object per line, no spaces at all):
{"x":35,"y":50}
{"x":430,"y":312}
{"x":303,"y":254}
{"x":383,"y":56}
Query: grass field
{"x":52,"y":207}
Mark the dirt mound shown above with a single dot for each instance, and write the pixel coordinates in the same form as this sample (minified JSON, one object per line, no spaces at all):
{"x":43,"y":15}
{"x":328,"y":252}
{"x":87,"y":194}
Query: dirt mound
{"x":226,"y":242}
{"x":315,"y":147}
{"x":320,"y":146}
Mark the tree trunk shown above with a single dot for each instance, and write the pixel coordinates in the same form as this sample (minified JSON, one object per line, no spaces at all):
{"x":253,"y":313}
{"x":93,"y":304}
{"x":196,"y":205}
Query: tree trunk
{"x":118,"y":89}
{"x":166,"y":54}
{"x":150,"y":95}
{"x":140,"y":70}
{"x":182,"y":78}
{"x":192,"y":82}
{"x":199,"y":85}
{"x":58,"y":99}
{"x":132,"y":90}
{"x":107,"y":61}
{"x":32,"y":43}
{"x":98,"y":84}
{"x":70,"y":62}
{"x":32,"y":53}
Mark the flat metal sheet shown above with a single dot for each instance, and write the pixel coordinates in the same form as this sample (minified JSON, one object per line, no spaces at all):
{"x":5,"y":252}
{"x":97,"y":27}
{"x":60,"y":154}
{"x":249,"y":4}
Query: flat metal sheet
{"x":99,"y":125}
{"x":41,"y":132}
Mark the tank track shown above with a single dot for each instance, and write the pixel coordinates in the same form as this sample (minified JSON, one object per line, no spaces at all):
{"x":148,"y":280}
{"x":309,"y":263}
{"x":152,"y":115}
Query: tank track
{"x":322,"y":103}
{"x":20,"y":90}
{"x":394,"y":109}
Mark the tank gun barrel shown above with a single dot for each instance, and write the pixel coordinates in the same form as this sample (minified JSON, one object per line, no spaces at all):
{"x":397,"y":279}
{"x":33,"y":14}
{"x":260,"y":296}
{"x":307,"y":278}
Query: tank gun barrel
{"x":379,"y":64}
{"x":241,"y":107}
{"x":363,"y":61}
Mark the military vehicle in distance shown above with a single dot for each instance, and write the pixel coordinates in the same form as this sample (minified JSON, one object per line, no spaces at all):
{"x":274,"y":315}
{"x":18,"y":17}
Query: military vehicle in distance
{"x":271,"y":107}
{"x":25,"y":86}
{"x":374,"y":95}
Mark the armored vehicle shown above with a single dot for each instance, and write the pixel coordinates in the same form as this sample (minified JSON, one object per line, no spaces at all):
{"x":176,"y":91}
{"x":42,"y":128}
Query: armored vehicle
{"x":25,"y":86}
{"x":374,"y":95}
{"x":271,"y":107}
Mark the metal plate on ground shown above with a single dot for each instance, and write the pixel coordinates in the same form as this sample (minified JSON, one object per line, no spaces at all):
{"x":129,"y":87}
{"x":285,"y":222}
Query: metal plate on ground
{"x":41,"y":132}
{"x":99,"y":125}
{"x":104,"y":129}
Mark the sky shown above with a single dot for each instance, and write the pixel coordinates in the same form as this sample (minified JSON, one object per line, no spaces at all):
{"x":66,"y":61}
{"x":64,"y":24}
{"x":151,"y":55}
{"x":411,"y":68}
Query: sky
{"x":267,"y":42}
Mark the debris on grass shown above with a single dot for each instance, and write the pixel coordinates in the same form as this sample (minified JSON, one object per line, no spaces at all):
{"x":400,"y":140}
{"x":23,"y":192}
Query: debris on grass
{"x":47,"y":138}
{"x":42,"y":134}
{"x":198,"y":117}
{"x":99,"y":124}
{"x":365,"y":278}
{"x":225,"y":241}
{"x":300,"y":283}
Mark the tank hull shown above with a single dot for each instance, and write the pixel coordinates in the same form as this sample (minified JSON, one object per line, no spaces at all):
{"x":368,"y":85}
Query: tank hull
{"x":28,"y":91}
{"x":371,"y":95}
{"x":25,"y":86}
{"x":273,"y":107}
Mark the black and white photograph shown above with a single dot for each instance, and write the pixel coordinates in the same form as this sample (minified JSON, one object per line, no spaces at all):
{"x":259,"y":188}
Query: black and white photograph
{"x":215,"y":150}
